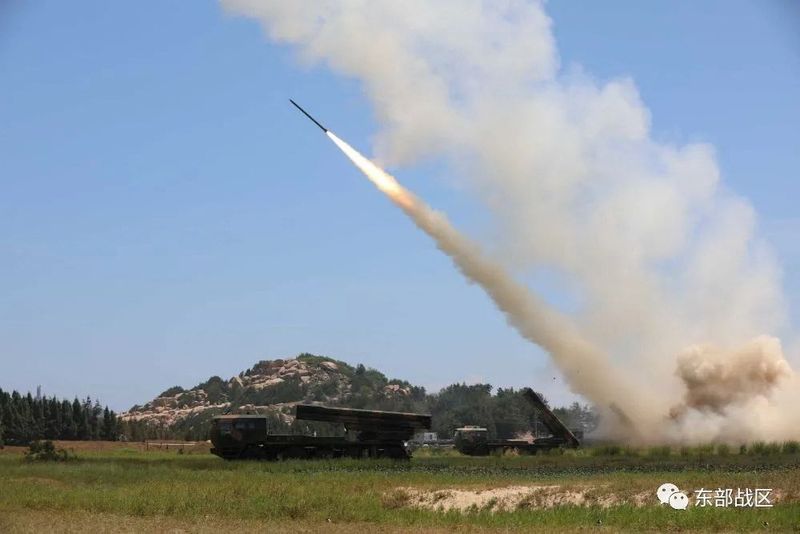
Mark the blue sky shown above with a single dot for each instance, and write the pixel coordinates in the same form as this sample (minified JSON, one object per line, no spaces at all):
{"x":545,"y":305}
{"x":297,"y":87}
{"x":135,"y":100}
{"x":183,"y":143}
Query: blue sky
{"x":165,"y":215}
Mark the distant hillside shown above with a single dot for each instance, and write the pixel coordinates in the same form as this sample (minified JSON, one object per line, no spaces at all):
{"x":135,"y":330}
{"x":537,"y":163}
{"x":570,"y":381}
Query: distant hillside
{"x":273,"y":387}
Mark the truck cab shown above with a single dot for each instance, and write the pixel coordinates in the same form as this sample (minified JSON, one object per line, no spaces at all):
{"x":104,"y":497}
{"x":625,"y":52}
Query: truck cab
{"x":236,"y":433}
{"x":472,"y":440}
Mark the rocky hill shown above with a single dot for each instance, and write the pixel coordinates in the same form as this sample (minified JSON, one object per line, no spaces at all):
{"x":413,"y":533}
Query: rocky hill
{"x":273,"y":387}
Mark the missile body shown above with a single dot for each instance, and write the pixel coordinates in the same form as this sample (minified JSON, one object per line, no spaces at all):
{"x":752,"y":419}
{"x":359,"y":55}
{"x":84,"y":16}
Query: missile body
{"x":309,"y":116}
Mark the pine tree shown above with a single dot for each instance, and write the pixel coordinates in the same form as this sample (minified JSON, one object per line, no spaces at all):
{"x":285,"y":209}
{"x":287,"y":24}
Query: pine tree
{"x":4,"y":401}
{"x":37,"y":418}
{"x":80,"y":420}
{"x":53,"y":425}
{"x":69,"y":429}
{"x":109,"y":425}
{"x":95,"y":422}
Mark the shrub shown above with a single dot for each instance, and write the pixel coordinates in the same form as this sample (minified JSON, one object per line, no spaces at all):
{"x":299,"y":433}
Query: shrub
{"x":395,"y":499}
{"x":171,"y":392}
{"x":765,"y":449}
{"x":45,"y":451}
{"x":723,"y":449}
{"x":791,"y":447}
{"x":703,"y":450}
{"x":607,"y":450}
{"x":630,"y":452}
{"x":663,"y":451}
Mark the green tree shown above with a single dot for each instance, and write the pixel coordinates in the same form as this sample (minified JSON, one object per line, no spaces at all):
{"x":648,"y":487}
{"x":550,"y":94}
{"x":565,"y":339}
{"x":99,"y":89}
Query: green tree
{"x":459,"y":404}
{"x":510,"y":412}
{"x":69,"y":428}
{"x":109,"y":425}
{"x":81,"y":419}
{"x":53,"y":426}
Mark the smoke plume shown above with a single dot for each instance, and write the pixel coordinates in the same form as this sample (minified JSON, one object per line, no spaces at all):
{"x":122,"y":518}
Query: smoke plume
{"x":662,"y":256}
{"x":586,"y":369}
{"x":716,"y":379}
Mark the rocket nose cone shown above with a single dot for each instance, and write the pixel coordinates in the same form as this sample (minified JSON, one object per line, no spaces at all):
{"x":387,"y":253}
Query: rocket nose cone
{"x":304,"y":112}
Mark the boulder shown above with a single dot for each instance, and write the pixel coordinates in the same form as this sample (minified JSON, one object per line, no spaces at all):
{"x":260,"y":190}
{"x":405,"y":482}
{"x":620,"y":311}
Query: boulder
{"x":330,"y":366}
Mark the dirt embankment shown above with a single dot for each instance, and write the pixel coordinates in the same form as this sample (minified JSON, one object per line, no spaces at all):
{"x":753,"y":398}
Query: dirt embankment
{"x":510,"y":498}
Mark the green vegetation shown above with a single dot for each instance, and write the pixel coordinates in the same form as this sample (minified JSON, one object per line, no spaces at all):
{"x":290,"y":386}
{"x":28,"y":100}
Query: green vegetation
{"x":171,"y":392}
{"x":168,"y":488}
{"x":46,"y":451}
{"x":27,"y":418}
{"x":790,"y":447}
{"x":504,"y":412}
{"x":24,"y":418}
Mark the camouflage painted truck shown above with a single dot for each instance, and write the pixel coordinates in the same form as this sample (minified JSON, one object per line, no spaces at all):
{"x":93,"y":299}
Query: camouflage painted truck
{"x":368,"y":434}
{"x":474,"y":440}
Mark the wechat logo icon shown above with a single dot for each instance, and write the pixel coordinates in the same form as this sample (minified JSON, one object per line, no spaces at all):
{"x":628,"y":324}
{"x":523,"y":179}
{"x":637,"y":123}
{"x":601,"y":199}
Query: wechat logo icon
{"x":669,"y":493}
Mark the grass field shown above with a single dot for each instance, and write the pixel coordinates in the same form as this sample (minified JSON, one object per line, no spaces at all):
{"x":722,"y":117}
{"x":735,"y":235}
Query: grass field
{"x":123,"y":487}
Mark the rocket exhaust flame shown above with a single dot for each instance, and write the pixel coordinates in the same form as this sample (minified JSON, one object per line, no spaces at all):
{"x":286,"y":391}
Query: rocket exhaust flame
{"x":384,"y":181}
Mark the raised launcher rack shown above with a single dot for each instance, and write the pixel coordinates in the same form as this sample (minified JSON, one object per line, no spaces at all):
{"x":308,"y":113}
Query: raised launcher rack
{"x":369,"y":434}
{"x":559,"y":431}
{"x":474,"y":440}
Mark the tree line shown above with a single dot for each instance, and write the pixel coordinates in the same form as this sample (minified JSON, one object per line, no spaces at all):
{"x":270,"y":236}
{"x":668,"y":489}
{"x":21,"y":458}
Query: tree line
{"x":26,"y":418}
{"x":504,"y":412}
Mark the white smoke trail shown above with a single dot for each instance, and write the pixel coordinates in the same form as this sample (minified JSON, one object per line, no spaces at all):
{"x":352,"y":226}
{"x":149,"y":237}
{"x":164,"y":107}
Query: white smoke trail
{"x":586,"y":369}
{"x":662,"y":255}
